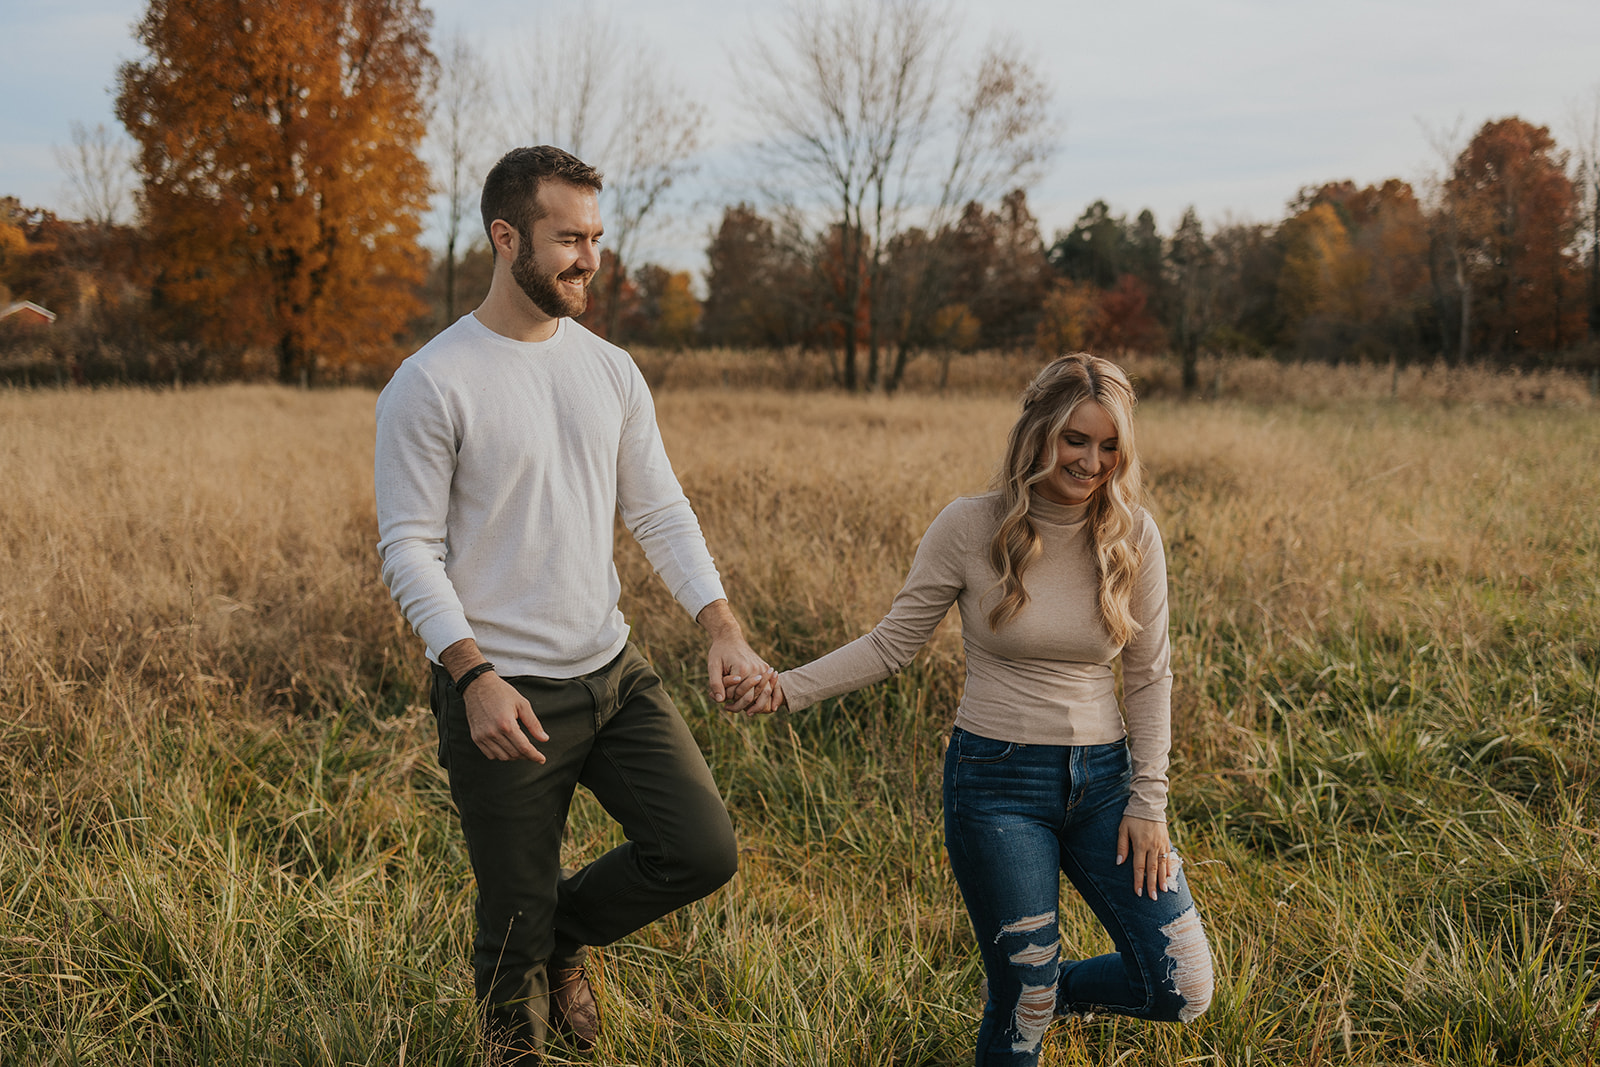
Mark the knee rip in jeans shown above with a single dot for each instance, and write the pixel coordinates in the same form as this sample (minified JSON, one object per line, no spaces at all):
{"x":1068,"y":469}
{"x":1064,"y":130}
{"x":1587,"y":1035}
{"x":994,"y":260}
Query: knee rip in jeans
{"x":1036,"y":1005}
{"x":1037,"y":955}
{"x":1029,"y":924}
{"x":1036,"y":1008}
{"x":1191,"y":964}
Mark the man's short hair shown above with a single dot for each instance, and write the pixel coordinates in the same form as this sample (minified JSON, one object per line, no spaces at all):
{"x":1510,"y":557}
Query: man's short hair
{"x":511,"y":191}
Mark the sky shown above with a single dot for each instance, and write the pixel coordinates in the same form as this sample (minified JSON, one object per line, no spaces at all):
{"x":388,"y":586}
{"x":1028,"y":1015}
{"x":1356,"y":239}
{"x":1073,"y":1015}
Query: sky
{"x":1227,"y":105}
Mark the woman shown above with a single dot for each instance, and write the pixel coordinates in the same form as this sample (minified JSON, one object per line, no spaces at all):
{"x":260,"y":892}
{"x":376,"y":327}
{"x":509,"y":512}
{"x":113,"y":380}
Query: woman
{"x":1057,"y":572}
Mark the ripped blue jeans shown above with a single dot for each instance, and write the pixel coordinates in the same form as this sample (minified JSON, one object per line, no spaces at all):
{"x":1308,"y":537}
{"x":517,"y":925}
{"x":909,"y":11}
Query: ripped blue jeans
{"x":1016,"y":818}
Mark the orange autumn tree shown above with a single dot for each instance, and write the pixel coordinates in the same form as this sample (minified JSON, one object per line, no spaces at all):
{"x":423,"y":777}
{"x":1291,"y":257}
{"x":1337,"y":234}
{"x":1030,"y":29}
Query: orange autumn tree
{"x":1516,"y":209}
{"x":1354,"y":276}
{"x":282,"y":189}
{"x":1390,"y":234}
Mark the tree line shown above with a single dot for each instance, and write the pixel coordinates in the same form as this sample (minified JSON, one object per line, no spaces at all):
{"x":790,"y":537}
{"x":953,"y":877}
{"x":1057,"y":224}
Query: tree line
{"x":285,"y":154}
{"x":1496,"y":262}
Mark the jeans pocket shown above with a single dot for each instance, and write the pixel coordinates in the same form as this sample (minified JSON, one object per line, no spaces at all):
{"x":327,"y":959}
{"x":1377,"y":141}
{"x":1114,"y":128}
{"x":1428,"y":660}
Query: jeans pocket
{"x":1108,"y":766}
{"x":975,"y":748}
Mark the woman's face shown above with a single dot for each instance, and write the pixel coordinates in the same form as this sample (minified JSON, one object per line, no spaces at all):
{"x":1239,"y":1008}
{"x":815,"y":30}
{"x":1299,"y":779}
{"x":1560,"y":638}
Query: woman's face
{"x":1083,"y":458}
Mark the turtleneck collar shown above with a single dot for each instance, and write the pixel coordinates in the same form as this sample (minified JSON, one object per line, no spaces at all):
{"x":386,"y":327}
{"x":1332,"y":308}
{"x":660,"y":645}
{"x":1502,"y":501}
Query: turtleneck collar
{"x":1047,"y":511}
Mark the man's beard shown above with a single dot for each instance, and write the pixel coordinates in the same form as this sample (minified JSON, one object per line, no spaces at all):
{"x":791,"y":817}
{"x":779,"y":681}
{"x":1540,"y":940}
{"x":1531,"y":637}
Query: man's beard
{"x":546,"y":292}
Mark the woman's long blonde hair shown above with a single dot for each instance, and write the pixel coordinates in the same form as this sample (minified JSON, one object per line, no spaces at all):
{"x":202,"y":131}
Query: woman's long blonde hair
{"x":1047,"y":406}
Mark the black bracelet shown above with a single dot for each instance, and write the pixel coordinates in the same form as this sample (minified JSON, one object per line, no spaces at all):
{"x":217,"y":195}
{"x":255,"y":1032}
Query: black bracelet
{"x":471,"y":676}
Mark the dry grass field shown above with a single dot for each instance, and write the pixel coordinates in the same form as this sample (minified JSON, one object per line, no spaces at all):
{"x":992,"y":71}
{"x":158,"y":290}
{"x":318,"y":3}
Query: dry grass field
{"x":223,"y":838}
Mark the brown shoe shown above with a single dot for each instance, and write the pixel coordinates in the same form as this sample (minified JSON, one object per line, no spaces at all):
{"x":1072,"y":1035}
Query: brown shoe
{"x":573,"y":1012}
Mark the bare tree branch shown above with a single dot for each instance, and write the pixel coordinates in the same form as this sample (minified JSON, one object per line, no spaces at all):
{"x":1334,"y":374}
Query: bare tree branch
{"x":459,"y":135}
{"x":608,"y":99}
{"x":1448,"y":144}
{"x":853,"y":95}
{"x":99,"y":170}
{"x":1584,"y":124}
{"x":1004,"y":133}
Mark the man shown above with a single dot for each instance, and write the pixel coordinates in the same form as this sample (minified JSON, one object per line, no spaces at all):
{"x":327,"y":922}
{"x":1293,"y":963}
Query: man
{"x":505,"y":448}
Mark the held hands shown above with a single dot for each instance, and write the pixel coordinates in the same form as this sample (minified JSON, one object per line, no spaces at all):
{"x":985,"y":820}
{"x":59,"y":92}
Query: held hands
{"x":751,"y":688}
{"x":740,"y":679}
{"x":1151,"y":850}
{"x":763,"y":691}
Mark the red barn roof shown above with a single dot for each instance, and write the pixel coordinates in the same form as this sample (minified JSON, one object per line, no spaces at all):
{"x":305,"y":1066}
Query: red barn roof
{"x":29,"y":312}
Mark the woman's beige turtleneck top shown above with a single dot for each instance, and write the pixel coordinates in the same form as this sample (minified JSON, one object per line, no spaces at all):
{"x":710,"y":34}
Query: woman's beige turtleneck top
{"x":1045,"y":677}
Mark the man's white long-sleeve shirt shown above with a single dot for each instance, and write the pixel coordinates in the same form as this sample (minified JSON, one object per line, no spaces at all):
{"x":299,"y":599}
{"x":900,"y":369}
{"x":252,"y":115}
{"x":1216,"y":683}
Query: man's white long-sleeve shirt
{"x":500,"y":468}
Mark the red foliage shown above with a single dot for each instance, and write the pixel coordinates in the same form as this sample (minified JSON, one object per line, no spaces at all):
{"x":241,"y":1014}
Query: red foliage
{"x":1125,"y":322}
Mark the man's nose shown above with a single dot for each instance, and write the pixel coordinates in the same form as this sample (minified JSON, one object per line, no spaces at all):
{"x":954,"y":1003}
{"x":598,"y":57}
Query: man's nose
{"x":588,"y":256}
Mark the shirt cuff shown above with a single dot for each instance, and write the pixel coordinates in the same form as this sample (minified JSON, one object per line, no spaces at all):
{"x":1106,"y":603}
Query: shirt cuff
{"x":1148,"y":800}
{"x":442,"y":631}
{"x":698,"y":592}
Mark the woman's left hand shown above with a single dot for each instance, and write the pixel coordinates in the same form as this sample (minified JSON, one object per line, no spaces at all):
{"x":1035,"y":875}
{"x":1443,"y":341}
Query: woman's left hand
{"x":1151,"y":849}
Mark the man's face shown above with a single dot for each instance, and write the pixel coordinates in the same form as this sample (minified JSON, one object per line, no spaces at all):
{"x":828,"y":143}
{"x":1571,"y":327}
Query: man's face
{"x":556,"y":260}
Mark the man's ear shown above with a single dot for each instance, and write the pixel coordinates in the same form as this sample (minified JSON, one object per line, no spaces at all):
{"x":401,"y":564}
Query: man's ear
{"x":505,"y":239}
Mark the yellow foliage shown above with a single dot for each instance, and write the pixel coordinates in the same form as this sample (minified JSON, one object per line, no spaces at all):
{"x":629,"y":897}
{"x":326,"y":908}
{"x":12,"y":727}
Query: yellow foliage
{"x":679,"y":311}
{"x":13,"y":250}
{"x":1071,"y":315}
{"x":1322,"y":274}
{"x":955,"y":326}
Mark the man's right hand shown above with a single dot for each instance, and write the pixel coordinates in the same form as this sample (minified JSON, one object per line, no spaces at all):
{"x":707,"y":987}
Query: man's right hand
{"x":501,"y":719}
{"x":770,"y":700}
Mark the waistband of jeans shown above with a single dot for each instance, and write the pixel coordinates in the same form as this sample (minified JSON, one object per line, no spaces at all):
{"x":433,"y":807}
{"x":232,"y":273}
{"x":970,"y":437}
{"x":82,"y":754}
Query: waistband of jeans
{"x":598,"y":672}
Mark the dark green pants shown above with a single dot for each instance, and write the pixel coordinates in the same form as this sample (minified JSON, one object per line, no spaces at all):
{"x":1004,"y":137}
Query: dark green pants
{"x":615,"y":732}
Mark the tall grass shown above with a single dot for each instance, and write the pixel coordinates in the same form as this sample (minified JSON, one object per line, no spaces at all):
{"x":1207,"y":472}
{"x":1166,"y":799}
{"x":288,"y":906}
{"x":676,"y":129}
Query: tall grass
{"x":224,"y":839}
{"x":1252,"y":379}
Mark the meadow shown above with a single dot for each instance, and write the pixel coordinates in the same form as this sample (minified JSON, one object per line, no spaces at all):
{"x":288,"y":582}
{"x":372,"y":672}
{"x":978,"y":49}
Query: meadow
{"x":224,"y":838}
